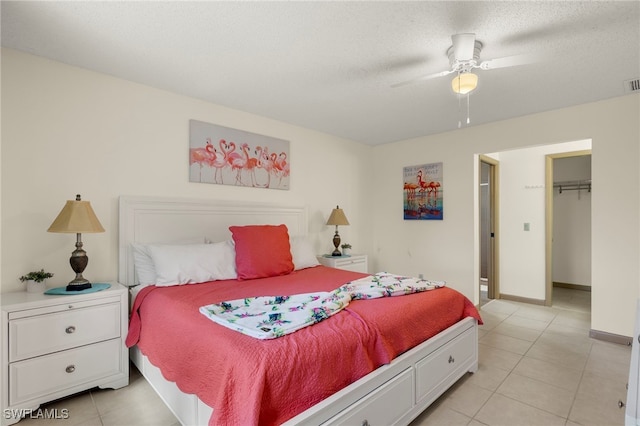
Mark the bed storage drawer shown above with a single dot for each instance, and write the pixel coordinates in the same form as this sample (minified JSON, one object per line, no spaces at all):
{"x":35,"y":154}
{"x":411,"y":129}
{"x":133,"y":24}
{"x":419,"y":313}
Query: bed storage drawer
{"x":433,"y":373}
{"x":384,"y":406}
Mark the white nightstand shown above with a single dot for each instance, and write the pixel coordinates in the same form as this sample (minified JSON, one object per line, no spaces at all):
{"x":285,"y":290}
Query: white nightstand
{"x":354,"y":262}
{"x":54,"y":346}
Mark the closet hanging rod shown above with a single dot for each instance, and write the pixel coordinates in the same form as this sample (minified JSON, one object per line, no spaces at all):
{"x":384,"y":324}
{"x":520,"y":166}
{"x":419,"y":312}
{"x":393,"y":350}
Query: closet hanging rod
{"x":573,"y":185}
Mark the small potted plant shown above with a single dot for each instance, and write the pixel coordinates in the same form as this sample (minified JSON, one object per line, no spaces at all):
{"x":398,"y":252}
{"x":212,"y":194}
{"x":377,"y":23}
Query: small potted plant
{"x":36,"y":280}
{"x":346,"y":249}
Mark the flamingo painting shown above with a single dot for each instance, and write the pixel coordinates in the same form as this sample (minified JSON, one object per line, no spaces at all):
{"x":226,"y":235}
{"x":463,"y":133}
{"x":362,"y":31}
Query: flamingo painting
{"x":266,"y":163}
{"x":282,"y":166}
{"x":423,"y":195}
{"x":201,"y":156}
{"x":252,"y":163}
{"x":219,"y":162}
{"x":237,"y":161}
{"x":240,"y":158}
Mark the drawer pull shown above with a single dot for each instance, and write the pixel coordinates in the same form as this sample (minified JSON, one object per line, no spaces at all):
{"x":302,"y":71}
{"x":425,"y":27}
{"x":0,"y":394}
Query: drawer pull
{"x":70,"y":368}
{"x":451,"y":359}
{"x":70,"y":330}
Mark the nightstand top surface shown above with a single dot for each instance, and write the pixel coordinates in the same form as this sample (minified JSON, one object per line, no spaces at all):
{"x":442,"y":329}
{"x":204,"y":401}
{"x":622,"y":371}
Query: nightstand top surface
{"x":23,"y":299}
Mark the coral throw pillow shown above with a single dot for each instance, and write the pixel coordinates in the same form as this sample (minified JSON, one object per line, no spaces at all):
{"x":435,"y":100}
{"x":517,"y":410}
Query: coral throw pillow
{"x":262,"y":251}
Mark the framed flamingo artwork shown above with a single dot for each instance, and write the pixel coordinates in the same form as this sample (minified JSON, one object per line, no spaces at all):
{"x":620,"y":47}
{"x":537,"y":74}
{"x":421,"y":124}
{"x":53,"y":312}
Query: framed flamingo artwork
{"x":225,"y":156}
{"x":423,"y":192}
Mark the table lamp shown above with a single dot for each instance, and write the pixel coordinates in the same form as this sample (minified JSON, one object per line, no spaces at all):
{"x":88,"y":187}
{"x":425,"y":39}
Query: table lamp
{"x":337,"y":218}
{"x":77,"y":217}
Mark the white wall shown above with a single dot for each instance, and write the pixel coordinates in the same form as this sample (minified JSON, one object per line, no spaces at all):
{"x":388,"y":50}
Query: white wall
{"x":448,"y":249}
{"x":67,"y":130}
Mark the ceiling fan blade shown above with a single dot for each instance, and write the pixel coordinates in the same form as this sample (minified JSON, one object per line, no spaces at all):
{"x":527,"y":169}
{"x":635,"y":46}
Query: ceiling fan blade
{"x":422,"y":78}
{"x":509,"y":61}
{"x":463,"y":45}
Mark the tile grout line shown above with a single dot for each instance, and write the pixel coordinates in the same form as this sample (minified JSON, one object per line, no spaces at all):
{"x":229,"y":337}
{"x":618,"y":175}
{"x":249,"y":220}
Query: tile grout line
{"x":503,"y":380}
{"x":575,"y":394}
{"x":522,"y":356}
{"x":584,"y":367}
{"x":93,"y":400}
{"x":566,"y":418}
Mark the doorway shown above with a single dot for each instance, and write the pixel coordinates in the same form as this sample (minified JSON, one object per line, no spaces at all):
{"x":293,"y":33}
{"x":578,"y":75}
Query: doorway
{"x":488,"y":204}
{"x":575,"y":185}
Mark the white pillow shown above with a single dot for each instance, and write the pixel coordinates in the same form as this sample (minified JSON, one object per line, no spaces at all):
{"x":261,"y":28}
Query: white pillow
{"x":302,"y":253}
{"x":143,"y":264}
{"x":193,"y":263}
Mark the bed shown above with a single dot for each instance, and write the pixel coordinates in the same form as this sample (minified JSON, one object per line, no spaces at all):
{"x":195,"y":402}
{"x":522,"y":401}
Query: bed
{"x":357,"y":366}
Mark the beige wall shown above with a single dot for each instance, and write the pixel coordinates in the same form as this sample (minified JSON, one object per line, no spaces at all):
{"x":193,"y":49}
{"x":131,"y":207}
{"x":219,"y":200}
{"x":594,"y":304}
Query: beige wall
{"x":67,"y":130}
{"x":448,"y":249}
{"x":522,"y":200}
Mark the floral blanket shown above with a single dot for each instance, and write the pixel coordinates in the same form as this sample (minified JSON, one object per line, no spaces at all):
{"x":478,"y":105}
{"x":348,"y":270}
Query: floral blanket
{"x":269,"y":317}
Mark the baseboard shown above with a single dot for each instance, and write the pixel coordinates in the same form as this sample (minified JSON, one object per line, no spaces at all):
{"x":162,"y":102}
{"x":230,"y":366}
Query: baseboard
{"x":572,"y":286}
{"x":522,"y":299}
{"x":610,"y":337}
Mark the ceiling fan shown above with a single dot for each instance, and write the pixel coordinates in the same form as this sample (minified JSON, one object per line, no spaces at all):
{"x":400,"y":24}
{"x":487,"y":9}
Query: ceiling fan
{"x":464,"y":57}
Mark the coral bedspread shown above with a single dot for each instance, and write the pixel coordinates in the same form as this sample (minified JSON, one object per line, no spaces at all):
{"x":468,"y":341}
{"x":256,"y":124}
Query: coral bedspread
{"x":251,"y":381}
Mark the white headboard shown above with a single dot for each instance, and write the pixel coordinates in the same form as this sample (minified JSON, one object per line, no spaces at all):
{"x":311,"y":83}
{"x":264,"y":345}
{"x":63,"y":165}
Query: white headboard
{"x":164,"y":220}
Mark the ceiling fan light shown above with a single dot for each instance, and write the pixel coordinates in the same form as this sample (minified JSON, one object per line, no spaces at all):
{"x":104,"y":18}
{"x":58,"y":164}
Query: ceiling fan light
{"x":464,"y":83}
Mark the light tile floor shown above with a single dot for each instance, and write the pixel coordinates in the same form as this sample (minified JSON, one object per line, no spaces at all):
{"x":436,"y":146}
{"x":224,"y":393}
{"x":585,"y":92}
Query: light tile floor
{"x":538,"y":367}
{"x":133,"y":405}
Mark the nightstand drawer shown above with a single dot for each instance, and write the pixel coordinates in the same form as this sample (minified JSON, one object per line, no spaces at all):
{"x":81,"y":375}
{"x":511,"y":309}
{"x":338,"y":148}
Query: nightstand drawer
{"x":351,"y":263}
{"x":38,"y":377}
{"x":42,"y":334}
{"x":355,"y":262}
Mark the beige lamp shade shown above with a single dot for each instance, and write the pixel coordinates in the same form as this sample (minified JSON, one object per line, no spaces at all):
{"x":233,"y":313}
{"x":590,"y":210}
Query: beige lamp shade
{"x":464,"y":83}
{"x":76,"y":217}
{"x":337,"y":217}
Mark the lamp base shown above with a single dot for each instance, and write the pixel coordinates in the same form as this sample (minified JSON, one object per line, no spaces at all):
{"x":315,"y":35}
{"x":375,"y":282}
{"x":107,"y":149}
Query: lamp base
{"x":78,"y":286}
{"x":78,"y":262}
{"x":336,"y":244}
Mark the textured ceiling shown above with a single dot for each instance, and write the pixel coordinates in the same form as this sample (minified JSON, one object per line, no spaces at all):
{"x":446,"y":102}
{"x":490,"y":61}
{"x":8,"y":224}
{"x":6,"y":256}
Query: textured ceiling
{"x":329,"y":66}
